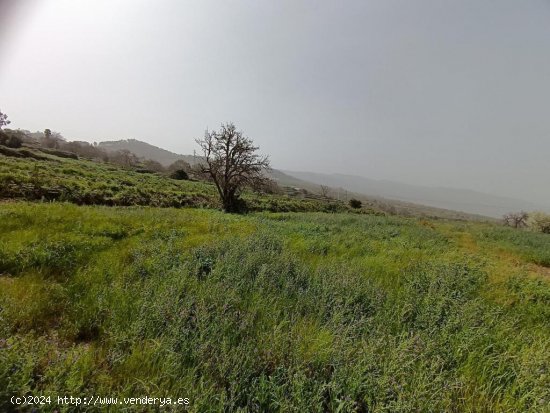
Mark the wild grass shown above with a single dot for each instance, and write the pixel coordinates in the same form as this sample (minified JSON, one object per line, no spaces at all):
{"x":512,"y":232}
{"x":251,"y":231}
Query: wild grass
{"x":532,"y":246}
{"x":52,"y":178}
{"x":265,"y":312}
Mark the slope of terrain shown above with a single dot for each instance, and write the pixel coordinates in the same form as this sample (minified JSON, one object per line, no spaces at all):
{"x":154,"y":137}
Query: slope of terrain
{"x":35,"y":175}
{"x":371,"y":196}
{"x":272,"y":312}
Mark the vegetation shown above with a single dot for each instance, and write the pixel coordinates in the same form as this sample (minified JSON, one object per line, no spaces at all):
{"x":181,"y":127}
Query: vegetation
{"x":355,"y":203}
{"x":516,"y":219}
{"x":104,"y":292}
{"x":533,"y":247}
{"x":55,"y":144}
{"x":85,"y":182}
{"x":271,"y":312}
{"x":4,"y":120}
{"x":11,"y":140}
{"x":324,"y":190}
{"x":179,"y":174}
{"x":536,"y":221}
{"x":539,"y":222}
{"x":8,"y":139}
{"x":231,"y":162}
{"x":36,"y":175}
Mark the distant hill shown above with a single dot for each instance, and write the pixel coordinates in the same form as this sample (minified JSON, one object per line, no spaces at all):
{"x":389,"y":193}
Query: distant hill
{"x":464,"y":200}
{"x":146,"y":150}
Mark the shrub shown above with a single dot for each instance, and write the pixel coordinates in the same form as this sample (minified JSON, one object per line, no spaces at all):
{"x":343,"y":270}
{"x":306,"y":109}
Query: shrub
{"x":539,"y":222}
{"x":10,"y":140}
{"x":180,"y":175}
{"x":355,"y":203}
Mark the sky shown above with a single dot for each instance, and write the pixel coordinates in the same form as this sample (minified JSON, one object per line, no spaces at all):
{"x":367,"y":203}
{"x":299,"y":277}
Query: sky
{"x":431,"y":92}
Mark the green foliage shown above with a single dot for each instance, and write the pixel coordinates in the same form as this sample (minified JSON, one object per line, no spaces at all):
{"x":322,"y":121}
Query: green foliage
{"x":355,"y":203}
{"x":34,"y":175}
{"x":10,"y":139}
{"x":264,"y":312}
{"x":4,"y":120}
{"x":534,"y":247}
{"x":179,"y":174}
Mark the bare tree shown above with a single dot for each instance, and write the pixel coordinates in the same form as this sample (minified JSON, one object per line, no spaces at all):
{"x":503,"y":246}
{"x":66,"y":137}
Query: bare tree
{"x":232,"y":163}
{"x":325,"y":191}
{"x":516,"y":219}
{"x":4,"y":120}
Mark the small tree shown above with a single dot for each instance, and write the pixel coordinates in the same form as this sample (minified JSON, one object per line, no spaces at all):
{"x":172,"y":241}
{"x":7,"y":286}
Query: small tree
{"x":325,"y":191}
{"x":355,"y":203}
{"x":4,"y":120}
{"x":516,"y":219}
{"x":232,"y":163}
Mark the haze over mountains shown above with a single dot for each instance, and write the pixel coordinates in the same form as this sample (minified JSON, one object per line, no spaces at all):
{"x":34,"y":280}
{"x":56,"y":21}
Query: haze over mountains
{"x":457,"y":199}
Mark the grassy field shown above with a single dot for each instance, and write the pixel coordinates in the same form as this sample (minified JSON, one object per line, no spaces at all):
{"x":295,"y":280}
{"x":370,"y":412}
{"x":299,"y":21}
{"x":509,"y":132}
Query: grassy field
{"x":84,"y":182}
{"x":272,"y":311}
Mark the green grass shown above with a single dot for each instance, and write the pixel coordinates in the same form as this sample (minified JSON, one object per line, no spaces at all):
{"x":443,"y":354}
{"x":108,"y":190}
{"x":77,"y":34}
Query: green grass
{"x":269,"y":311}
{"x":533,"y":246}
{"x":83,"y":182}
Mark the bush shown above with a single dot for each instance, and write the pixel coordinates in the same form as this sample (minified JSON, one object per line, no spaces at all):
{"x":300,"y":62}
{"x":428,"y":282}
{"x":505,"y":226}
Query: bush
{"x":355,"y":203}
{"x":180,"y":175}
{"x":10,"y":140}
{"x":539,"y":222}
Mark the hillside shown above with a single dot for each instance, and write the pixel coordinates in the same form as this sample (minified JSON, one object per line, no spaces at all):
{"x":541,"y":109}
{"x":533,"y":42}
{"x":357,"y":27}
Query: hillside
{"x":147,"y":151}
{"x":467,"y":201}
{"x":369,"y":195}
{"x":31,"y":174}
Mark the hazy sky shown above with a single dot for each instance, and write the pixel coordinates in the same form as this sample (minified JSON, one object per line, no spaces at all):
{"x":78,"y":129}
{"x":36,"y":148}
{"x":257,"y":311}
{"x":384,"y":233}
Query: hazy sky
{"x":450,"y":93}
